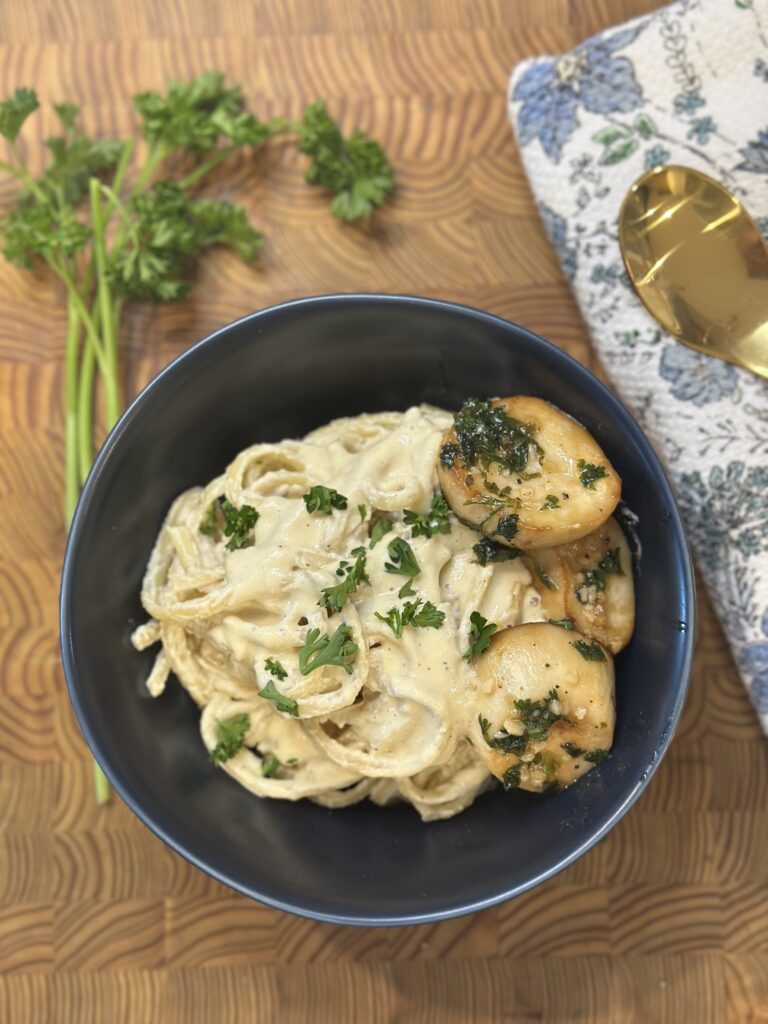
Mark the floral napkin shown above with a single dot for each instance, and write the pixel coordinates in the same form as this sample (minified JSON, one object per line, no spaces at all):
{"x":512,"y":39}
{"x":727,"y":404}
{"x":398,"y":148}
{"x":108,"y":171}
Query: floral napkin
{"x":687,"y":84}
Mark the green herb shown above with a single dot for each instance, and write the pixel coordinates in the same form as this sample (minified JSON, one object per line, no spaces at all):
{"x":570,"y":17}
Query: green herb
{"x":355,"y":170}
{"x":403,"y":563}
{"x":231,"y":738}
{"x":353,"y":574}
{"x":282,"y":703}
{"x":572,"y":749}
{"x":488,"y":550}
{"x":480,"y":632}
{"x":275,"y":668}
{"x":487,"y":436}
{"x":551,"y":501}
{"x":537,"y":715}
{"x":427,"y":524}
{"x":339,"y":650}
{"x":324,"y":499}
{"x":590,"y":652}
{"x":511,"y":777}
{"x":363,"y":511}
{"x":590,"y":472}
{"x":380,"y":527}
{"x":596,"y":756}
{"x":448,"y":455}
{"x":210,"y":523}
{"x":610,"y":563}
{"x":504,"y":741}
{"x":544,"y":576}
{"x":416,"y":613}
{"x":238,"y":524}
{"x":562,"y":623}
{"x":270,"y":766}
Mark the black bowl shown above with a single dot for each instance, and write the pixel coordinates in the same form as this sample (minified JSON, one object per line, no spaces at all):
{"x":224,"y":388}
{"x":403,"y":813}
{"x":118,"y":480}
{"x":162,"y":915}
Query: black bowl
{"x":276,"y":374}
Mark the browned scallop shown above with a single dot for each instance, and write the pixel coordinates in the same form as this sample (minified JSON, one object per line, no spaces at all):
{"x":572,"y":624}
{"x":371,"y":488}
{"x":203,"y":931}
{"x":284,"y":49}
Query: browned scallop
{"x":546,"y":708}
{"x":525,"y":474}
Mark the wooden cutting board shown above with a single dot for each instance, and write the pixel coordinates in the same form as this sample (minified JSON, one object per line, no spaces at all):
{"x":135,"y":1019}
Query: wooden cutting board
{"x":667,"y":919}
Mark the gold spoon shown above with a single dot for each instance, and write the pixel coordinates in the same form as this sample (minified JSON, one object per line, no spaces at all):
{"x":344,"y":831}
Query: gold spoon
{"x":699,"y":264}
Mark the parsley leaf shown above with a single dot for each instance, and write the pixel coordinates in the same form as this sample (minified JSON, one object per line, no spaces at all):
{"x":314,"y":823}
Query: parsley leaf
{"x":566,"y":623}
{"x":416,"y":613}
{"x":324,"y":499}
{"x":334,"y":598}
{"x":589,"y":473}
{"x":487,"y":435}
{"x":275,"y":668}
{"x":339,"y":649}
{"x":480,"y":632}
{"x":610,"y":563}
{"x":590,"y":652}
{"x":427,"y":524}
{"x":238,"y":524}
{"x":537,"y":715}
{"x":448,"y":455}
{"x":572,"y":749}
{"x":282,"y":703}
{"x":596,"y":756}
{"x":511,"y":777}
{"x":488,"y":550}
{"x":270,"y":766}
{"x":380,"y":527}
{"x":551,"y":501}
{"x":15,"y":111}
{"x":507,"y":743}
{"x":363,"y":512}
{"x":356,"y":169}
{"x":231,"y":736}
{"x":210,"y":523}
{"x":403,"y":563}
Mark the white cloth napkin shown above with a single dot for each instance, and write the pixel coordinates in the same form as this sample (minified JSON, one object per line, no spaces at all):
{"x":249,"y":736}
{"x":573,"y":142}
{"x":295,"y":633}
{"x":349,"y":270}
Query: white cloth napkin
{"x":687,"y":84}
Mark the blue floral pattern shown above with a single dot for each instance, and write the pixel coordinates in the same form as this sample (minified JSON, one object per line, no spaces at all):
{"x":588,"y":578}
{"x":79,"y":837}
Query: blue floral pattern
{"x":660,"y":90}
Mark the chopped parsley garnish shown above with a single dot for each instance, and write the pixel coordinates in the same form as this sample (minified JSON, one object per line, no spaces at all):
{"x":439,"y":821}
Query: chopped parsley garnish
{"x":231,"y":735}
{"x":403,"y":563}
{"x":511,"y":777}
{"x":543,"y":575}
{"x":488,"y":550}
{"x":551,"y":501}
{"x":448,"y":455}
{"x":589,"y":472}
{"x":480,"y":632}
{"x":324,"y":500}
{"x":487,"y":435}
{"x":275,"y":668}
{"x":339,"y":649}
{"x":238,"y":524}
{"x":282,"y":703}
{"x":270,"y":766}
{"x":352,"y":573}
{"x":427,"y":524}
{"x":596,"y":756}
{"x":413,"y":613}
{"x":590,"y":652}
{"x":537,"y":715}
{"x":507,"y":526}
{"x":572,"y":749}
{"x":609,"y":565}
{"x":380,"y":527}
{"x":362,"y":510}
{"x":504,"y":741}
{"x":562,"y":623}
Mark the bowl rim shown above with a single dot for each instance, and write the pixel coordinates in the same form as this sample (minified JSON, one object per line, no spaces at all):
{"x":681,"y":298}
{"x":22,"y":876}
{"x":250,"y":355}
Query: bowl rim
{"x":100,"y":749}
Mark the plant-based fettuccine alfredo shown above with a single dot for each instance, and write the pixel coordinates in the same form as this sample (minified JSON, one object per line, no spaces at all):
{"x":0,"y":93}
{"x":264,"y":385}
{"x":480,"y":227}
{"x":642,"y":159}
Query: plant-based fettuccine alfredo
{"x":401,"y":606}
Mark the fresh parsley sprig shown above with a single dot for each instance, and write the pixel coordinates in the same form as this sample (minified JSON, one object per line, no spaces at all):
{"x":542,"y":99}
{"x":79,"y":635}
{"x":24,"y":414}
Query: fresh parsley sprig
{"x":589,"y":473}
{"x":275,"y":668}
{"x":418,"y":613}
{"x":238,"y":524}
{"x":427,"y":524}
{"x":324,"y":500}
{"x":480,"y":633}
{"x":282,"y":703}
{"x":318,"y":650}
{"x":353,"y":574}
{"x":403,"y":563}
{"x":231,"y":738}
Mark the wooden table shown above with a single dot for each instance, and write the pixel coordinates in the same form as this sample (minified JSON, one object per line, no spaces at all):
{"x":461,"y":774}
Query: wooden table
{"x":667,"y":919}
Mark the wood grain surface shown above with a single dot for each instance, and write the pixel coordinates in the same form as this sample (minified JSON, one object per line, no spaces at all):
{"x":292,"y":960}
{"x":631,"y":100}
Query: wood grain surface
{"x":667,"y":919}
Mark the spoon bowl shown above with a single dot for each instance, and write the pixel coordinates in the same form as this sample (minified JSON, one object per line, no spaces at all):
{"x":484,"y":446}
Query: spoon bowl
{"x":699,"y":264}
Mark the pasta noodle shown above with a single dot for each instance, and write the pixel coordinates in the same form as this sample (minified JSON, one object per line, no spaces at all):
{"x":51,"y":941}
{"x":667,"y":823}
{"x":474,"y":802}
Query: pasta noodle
{"x":391,"y":724}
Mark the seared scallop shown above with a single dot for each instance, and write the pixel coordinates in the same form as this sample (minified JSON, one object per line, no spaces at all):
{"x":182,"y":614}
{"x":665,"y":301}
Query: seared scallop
{"x":588,"y":584}
{"x":525,"y":473}
{"x":546,"y":709}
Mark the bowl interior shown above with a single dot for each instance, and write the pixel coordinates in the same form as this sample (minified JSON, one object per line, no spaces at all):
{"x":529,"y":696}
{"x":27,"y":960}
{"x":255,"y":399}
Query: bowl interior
{"x":278,"y":374}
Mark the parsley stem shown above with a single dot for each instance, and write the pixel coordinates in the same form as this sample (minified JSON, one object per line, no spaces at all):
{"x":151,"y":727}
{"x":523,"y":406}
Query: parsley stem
{"x":71,"y":467}
{"x":207,"y":165}
{"x":104,"y":297}
{"x":85,"y":412}
{"x":101,"y":784}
